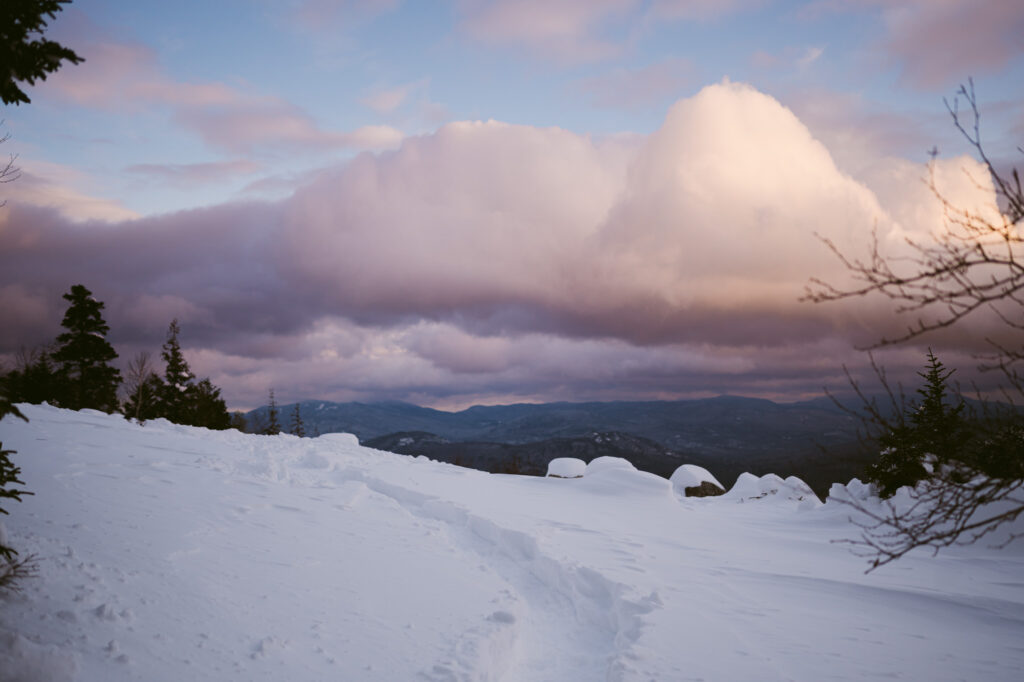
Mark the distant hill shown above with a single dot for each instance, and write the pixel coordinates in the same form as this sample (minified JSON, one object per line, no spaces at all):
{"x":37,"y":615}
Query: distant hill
{"x":812,"y":439}
{"x":532,"y":458}
{"x":724,"y":425}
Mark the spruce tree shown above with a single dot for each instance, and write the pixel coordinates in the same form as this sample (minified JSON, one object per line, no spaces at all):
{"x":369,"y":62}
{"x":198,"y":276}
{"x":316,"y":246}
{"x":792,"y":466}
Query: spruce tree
{"x":83,"y":355}
{"x":297,"y":427}
{"x":273,"y":426}
{"x":8,"y":477}
{"x":931,"y":427}
{"x":178,"y":379}
{"x":207,"y":408}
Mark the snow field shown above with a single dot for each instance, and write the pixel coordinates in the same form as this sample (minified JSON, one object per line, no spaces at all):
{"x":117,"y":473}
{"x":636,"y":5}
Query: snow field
{"x":169,"y":553}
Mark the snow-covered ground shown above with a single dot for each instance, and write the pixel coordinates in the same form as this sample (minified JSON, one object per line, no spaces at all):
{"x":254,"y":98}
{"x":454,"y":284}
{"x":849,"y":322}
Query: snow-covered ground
{"x":173,"y":553}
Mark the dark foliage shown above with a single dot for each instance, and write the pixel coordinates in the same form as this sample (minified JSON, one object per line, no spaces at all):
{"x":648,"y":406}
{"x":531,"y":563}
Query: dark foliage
{"x":931,"y":427}
{"x":83,"y":355}
{"x":8,"y":477}
{"x":35,"y":379}
{"x":25,"y":56}
{"x":207,"y":408}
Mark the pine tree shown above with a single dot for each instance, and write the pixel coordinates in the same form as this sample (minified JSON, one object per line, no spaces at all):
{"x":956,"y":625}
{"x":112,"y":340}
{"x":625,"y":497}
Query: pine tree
{"x":938,"y":427}
{"x":84,"y":354}
{"x":273,"y":426}
{"x":297,"y":427}
{"x":931,"y":427}
{"x":8,"y":475}
{"x":35,"y":380}
{"x":178,"y":379}
{"x":207,"y":408}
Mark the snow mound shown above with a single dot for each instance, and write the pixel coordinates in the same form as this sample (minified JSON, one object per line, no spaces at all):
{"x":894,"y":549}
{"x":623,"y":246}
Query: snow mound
{"x":622,"y":481}
{"x":566,"y":467}
{"x":774,"y":488}
{"x":691,"y":476}
{"x":345,"y":440}
{"x":602,"y":463}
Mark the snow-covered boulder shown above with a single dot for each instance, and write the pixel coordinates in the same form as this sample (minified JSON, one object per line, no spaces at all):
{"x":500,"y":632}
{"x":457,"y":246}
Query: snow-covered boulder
{"x":566,"y":467}
{"x":346,"y":440}
{"x":620,"y":481}
{"x":602,"y":463}
{"x":690,"y":480}
{"x":773,"y":488}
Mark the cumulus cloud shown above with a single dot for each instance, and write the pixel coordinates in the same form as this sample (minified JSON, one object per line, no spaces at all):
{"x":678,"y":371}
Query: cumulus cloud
{"x":495,"y":257}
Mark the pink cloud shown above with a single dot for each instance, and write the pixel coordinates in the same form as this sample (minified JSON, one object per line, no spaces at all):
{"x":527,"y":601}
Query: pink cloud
{"x":119,"y":76}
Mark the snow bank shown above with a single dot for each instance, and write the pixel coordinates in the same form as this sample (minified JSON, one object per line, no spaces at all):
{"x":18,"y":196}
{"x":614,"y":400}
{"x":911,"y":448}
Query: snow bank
{"x":566,"y":467}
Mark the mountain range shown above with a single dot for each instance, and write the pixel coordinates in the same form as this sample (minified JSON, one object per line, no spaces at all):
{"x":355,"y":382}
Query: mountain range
{"x":728,"y":435}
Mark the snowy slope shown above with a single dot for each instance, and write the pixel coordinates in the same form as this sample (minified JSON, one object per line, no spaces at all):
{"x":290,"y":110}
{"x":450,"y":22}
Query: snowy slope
{"x":173,"y":553}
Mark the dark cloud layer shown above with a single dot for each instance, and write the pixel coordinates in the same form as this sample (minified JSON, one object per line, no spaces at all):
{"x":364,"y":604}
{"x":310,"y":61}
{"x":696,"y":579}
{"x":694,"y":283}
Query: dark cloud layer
{"x":488,"y":260}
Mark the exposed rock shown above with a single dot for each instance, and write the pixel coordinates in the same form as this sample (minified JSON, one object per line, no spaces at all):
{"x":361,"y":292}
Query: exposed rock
{"x":705,"y":489}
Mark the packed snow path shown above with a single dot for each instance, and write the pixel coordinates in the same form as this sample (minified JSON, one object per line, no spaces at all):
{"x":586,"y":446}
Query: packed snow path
{"x":171,"y":553}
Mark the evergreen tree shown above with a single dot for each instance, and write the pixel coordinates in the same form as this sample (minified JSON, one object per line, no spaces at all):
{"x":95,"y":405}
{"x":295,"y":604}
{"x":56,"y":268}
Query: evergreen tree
{"x":8,"y":476}
{"x":297,"y":427}
{"x":84,"y":354}
{"x":25,"y":55}
{"x":35,"y":380}
{"x":207,"y":408}
{"x":237,"y":421}
{"x":931,"y":427}
{"x":178,"y":379}
{"x":939,"y":428}
{"x":273,"y":426}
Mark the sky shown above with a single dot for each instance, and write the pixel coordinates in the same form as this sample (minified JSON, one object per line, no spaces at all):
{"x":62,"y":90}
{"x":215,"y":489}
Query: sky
{"x":493,"y":201}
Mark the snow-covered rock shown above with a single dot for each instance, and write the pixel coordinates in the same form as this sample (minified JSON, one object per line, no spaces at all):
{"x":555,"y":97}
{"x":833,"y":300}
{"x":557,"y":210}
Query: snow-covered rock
{"x":771,"y":487}
{"x":693,"y":477}
{"x":566,"y":467}
{"x":602,"y":463}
